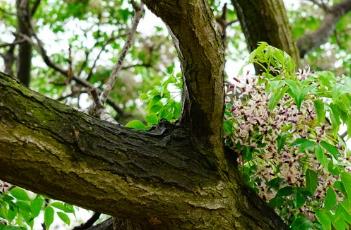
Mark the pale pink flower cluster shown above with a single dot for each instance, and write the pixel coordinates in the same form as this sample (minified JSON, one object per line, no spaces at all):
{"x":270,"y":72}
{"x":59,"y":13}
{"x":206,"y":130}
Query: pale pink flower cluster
{"x":257,"y":127}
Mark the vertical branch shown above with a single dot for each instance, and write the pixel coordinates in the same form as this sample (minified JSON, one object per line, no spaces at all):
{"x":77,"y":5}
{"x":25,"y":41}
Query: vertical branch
{"x":24,"y":59}
{"x":266,"y":20}
{"x":117,"y":68}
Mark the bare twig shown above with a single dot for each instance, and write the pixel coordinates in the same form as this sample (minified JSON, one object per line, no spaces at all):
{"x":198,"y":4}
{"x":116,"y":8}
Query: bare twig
{"x":343,"y":135}
{"x":232,"y":22}
{"x":113,"y":77}
{"x":40,"y":47}
{"x":90,"y":74}
{"x":72,"y":94}
{"x":16,"y":42}
{"x":89,"y":223}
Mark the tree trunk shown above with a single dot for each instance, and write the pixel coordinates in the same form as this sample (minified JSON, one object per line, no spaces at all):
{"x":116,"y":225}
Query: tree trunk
{"x":266,"y":20}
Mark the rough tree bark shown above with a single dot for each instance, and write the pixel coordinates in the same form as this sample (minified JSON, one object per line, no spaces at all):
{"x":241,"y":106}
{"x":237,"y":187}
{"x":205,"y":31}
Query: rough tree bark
{"x":266,"y":20}
{"x":53,"y":149}
{"x":172,"y":177}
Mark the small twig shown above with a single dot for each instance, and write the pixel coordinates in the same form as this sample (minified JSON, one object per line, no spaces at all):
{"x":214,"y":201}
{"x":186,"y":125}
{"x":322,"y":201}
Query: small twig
{"x":113,"y":77}
{"x":84,"y":64}
{"x":90,"y":74}
{"x":12,"y":43}
{"x":343,"y":135}
{"x":71,"y":95}
{"x":232,"y":22}
{"x":147,"y":65}
{"x":40,"y":47}
{"x":89,"y":222}
{"x":70,"y":63}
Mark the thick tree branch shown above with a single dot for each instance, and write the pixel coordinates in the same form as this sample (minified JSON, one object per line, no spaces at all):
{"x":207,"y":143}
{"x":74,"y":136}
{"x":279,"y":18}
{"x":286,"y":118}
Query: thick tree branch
{"x":201,"y":53}
{"x":157,"y":178}
{"x":53,"y":149}
{"x":314,"y":39}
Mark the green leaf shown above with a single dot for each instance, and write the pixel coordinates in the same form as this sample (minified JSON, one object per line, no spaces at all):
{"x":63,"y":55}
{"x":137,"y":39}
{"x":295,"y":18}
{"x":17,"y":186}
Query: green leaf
{"x":299,"y":199}
{"x":320,"y":111}
{"x":275,"y":97}
{"x":228,"y":127}
{"x":136,"y":124}
{"x":276,"y":202}
{"x":12,"y":213}
{"x":338,"y":222}
{"x":321,"y":156}
{"x":330,"y":148}
{"x":296,"y":91}
{"x":152,"y":119}
{"x":303,"y":144}
{"x":330,"y":199}
{"x":275,"y":183}
{"x":338,"y":185}
{"x":48,"y":216}
{"x":281,"y":139}
{"x":286,"y":191}
{"x":64,"y":217}
{"x":334,"y":169}
{"x":346,"y":180}
{"x":323,"y":219}
{"x":156,"y":108}
{"x":311,"y":181}
{"x":301,"y":223}
{"x":19,"y":194}
{"x":335,"y":117}
{"x":36,"y":205}
{"x":62,"y":206}
{"x":340,"y":210}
